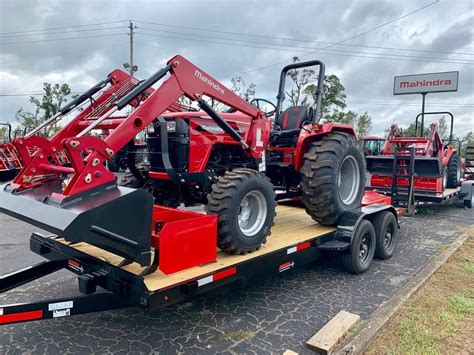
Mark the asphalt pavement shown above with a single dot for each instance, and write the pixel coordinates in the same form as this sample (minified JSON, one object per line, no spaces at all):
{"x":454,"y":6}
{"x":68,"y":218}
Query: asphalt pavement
{"x":280,"y":313}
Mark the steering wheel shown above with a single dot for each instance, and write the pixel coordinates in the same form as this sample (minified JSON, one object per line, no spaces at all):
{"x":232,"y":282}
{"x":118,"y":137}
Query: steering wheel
{"x":256,"y":102}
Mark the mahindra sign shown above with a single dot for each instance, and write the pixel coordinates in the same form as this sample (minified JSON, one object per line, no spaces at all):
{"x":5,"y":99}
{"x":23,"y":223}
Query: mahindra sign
{"x":425,"y":83}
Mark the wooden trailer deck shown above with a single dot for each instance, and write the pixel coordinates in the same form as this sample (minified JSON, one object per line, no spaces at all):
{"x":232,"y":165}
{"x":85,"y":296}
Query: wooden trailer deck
{"x":292,"y":226}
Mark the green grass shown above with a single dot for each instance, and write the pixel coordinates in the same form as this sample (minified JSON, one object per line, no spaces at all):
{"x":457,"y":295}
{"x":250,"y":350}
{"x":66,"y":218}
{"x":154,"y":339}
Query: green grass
{"x":421,"y":333}
{"x":462,"y":305}
{"x":469,"y":266}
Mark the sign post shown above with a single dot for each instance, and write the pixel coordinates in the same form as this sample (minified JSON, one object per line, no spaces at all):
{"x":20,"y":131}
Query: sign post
{"x":424,"y":84}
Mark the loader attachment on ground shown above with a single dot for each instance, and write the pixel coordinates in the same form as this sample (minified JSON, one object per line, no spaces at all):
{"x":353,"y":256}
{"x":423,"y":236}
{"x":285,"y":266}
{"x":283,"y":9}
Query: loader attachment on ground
{"x":424,"y":166}
{"x":116,"y":219}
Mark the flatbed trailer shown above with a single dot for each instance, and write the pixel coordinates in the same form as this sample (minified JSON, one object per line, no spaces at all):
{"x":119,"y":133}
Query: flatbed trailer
{"x":296,"y":240}
{"x":465,"y":193}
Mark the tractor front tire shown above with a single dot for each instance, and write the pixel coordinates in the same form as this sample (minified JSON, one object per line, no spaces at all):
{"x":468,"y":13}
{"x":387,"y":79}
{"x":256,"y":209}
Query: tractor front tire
{"x":112,"y":165}
{"x":130,"y":180}
{"x":454,"y":171}
{"x":333,"y":177}
{"x":244,"y":202}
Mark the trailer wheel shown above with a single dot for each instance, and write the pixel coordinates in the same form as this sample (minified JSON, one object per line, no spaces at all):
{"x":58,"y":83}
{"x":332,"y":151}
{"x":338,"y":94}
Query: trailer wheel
{"x":362,"y":249}
{"x":245,"y":203}
{"x":454,"y":171}
{"x":333,"y":177}
{"x":386,"y":231}
{"x":468,"y":203}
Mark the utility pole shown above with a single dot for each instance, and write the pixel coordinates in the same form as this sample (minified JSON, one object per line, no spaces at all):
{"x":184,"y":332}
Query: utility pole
{"x":130,"y":66}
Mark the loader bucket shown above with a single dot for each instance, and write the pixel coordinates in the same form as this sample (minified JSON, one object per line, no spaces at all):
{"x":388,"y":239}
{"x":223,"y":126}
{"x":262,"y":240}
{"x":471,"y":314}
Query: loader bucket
{"x":8,"y":174}
{"x":116,"y":219}
{"x":424,"y":166}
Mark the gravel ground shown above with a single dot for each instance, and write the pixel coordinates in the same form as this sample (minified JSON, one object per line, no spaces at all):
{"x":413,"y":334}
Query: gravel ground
{"x":278,"y":314}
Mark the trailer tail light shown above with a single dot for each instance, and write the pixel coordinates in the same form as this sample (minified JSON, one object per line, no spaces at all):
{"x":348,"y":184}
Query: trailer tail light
{"x":19,"y":317}
{"x":217,"y":276}
{"x":298,"y":247}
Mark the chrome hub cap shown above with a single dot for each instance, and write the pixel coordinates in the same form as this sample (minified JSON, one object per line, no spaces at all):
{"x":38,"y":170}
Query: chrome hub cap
{"x":252,"y":213}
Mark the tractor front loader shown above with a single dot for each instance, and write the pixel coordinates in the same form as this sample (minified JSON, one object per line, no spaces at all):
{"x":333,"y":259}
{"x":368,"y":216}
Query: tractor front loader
{"x":235,"y":163}
{"x":10,"y":163}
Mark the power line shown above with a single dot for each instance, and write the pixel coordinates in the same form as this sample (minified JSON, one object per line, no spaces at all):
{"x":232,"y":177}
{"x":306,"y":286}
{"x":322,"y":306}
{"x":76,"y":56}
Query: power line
{"x":62,"y":32}
{"x":346,"y":39}
{"x":62,"y":28}
{"x":297,"y":39}
{"x":195,"y":55}
{"x":374,"y":55}
{"x":62,"y":55}
{"x":64,"y":39}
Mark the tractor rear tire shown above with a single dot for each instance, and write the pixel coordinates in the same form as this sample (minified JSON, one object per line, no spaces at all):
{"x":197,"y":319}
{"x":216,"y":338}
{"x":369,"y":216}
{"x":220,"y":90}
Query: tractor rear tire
{"x":454,"y":171}
{"x":333,"y":177}
{"x":245,"y":203}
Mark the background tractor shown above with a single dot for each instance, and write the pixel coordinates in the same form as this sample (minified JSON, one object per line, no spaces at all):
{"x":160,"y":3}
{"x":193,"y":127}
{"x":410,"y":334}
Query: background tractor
{"x":436,"y":166}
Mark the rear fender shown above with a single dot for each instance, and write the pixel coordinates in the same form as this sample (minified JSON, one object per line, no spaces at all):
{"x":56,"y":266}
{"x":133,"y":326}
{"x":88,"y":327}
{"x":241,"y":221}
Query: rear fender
{"x":311,"y":133}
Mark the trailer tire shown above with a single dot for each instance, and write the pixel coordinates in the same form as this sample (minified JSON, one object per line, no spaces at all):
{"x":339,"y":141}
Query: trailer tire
{"x":333,"y":177}
{"x":245,"y":204}
{"x":386,"y":231}
{"x":454,"y":171}
{"x":468,"y":203}
{"x":362,"y":249}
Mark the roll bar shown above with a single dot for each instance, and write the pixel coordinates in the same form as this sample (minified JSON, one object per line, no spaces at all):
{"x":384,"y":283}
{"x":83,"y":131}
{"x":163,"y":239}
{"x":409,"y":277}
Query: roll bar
{"x":319,"y":88}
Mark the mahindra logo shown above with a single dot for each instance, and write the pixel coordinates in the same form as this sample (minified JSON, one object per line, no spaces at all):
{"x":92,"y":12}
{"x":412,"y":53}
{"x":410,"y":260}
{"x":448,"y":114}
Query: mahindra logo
{"x":208,"y":81}
{"x":424,"y":83}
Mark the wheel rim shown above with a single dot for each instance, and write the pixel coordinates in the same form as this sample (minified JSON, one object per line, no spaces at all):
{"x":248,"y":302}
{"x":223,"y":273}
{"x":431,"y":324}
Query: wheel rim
{"x":458,"y":174}
{"x":445,"y":179}
{"x":252,"y":213}
{"x":364,"y":248}
{"x":348,"y":179}
{"x":388,"y":238}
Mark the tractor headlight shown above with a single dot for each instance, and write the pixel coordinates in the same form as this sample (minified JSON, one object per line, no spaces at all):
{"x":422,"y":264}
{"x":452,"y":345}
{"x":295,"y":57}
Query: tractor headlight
{"x":171,"y":126}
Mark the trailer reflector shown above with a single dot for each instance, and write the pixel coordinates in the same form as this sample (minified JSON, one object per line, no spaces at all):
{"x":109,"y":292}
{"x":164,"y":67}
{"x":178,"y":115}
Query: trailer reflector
{"x":20,"y":317}
{"x":298,"y":247}
{"x":217,"y":276}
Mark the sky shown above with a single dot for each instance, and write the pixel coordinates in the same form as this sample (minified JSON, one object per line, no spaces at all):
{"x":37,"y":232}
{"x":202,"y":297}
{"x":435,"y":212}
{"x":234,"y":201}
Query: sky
{"x":366,"y":43}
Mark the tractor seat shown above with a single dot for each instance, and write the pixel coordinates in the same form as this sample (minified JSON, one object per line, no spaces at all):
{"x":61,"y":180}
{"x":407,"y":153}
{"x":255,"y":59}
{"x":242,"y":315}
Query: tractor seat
{"x":288,"y":125}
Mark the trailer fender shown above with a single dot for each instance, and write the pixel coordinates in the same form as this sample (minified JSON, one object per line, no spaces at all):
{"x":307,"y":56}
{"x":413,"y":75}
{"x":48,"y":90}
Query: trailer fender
{"x":349,"y":223}
{"x":467,"y":192}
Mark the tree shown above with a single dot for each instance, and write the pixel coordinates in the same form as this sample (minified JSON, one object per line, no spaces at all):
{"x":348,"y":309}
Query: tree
{"x":362,"y":123}
{"x":247,"y":92}
{"x":467,"y":140}
{"x":333,"y":103}
{"x":304,"y":89}
{"x":54,"y":97}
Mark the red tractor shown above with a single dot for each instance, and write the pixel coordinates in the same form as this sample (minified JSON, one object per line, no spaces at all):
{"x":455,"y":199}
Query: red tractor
{"x":436,"y":166}
{"x":10,"y":163}
{"x":372,"y":145}
{"x":236,"y":163}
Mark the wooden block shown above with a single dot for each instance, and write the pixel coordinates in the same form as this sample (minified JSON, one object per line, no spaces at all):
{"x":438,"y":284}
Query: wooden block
{"x":289,"y":352}
{"x":325,"y":340}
